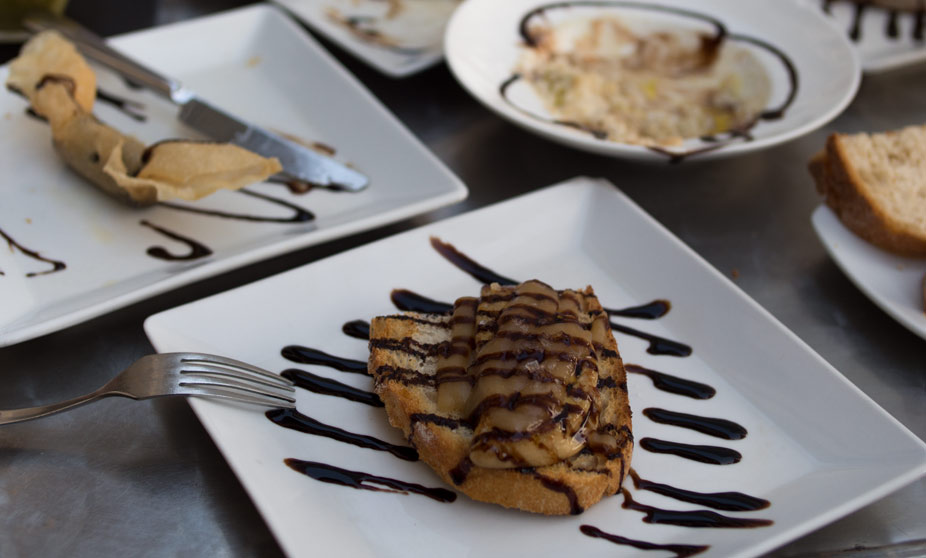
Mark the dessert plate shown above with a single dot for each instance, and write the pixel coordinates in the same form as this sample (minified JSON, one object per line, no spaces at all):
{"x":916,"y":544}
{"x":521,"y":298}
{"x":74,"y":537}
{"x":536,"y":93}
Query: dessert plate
{"x":800,"y":452}
{"x":397,"y":37}
{"x":813,"y":69}
{"x":885,"y":39}
{"x":243,"y":61}
{"x":892,"y":282}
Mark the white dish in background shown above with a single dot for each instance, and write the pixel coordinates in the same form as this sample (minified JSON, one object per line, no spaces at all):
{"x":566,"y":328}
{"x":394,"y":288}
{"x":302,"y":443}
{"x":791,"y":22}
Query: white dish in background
{"x":892,"y":282}
{"x":483,"y":45}
{"x":878,"y":50}
{"x":397,"y":37}
{"x":244,"y":61}
{"x":814,"y":459}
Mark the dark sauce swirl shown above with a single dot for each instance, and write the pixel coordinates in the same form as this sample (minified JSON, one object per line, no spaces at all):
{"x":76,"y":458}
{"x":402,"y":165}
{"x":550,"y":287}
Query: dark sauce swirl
{"x":365,"y":481}
{"x":713,"y":455}
{"x":727,"y":501}
{"x":293,"y":419}
{"x":299,"y":214}
{"x":327,"y":386}
{"x":57,"y":265}
{"x":680,"y":550}
{"x":466,"y":264}
{"x":717,"y":427}
{"x":197,"y":249}
{"x":308,"y":355}
{"x":673,"y":384}
{"x":358,"y":329}
{"x":692,"y":518}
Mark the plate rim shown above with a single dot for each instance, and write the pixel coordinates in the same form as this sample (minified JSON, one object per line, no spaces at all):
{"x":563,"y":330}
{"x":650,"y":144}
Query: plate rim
{"x":824,"y":213}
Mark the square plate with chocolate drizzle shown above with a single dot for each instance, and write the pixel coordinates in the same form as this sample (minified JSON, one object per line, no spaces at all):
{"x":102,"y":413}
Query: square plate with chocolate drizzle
{"x":75,"y":253}
{"x":735,"y":451}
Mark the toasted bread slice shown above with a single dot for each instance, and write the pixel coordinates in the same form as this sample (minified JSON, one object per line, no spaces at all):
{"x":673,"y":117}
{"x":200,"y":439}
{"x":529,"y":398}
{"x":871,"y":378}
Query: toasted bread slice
{"x":518,"y":398}
{"x":876,"y":184}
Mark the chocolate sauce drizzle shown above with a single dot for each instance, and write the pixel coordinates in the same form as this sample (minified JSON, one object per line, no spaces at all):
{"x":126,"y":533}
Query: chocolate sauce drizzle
{"x":680,"y":550}
{"x":293,"y":419}
{"x":57,"y":265}
{"x":657,"y":345}
{"x":466,"y":264}
{"x":855,"y":32}
{"x":720,"y":35}
{"x":562,"y":488}
{"x":359,"y":329}
{"x":300,"y":215}
{"x":307,"y":355}
{"x":365,"y":481}
{"x":717,"y":427}
{"x":197,"y":249}
{"x":727,"y":501}
{"x":414,"y":302}
{"x":891,"y":26}
{"x":713,"y":455}
{"x":649,"y":311}
{"x":327,"y":386}
{"x":409,"y":301}
{"x":673,"y":384}
{"x":693,"y":518}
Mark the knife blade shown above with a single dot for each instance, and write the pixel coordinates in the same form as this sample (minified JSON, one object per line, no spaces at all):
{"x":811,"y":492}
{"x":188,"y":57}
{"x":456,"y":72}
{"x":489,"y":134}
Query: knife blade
{"x":299,"y":162}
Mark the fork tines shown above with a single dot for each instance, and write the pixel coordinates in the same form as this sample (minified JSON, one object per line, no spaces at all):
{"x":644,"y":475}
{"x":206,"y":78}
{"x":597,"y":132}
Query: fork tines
{"x":224,"y":377}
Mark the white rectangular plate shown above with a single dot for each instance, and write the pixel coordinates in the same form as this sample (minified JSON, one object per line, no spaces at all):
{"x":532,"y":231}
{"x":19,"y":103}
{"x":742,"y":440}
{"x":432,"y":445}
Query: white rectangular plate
{"x":258,"y":64}
{"x":892,"y":282}
{"x":817,"y":447}
{"x":398,"y":37}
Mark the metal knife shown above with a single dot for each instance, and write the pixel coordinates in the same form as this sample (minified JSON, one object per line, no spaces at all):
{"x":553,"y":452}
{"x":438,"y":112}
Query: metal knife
{"x":299,"y":162}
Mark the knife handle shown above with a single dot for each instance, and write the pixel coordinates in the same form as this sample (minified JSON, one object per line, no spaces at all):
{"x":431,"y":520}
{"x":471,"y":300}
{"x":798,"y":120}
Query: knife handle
{"x":95,"y":48}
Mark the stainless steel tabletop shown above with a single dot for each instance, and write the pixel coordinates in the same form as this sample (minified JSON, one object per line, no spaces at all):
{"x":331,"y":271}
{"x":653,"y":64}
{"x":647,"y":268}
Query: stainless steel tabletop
{"x":123,"y":478}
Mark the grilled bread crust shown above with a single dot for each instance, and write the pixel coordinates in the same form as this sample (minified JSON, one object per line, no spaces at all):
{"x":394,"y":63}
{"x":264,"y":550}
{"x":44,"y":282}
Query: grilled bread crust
{"x":876,"y":184}
{"x":404,"y":351}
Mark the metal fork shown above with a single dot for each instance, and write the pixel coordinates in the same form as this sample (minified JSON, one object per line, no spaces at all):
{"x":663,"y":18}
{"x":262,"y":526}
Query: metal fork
{"x":195,"y":374}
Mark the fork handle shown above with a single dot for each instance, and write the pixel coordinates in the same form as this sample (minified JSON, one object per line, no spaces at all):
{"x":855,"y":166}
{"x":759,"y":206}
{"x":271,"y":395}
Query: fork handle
{"x":29,"y":413}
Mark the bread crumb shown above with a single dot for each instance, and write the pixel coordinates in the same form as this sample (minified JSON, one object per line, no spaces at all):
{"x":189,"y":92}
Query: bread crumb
{"x":253,"y":61}
{"x":735,"y":273}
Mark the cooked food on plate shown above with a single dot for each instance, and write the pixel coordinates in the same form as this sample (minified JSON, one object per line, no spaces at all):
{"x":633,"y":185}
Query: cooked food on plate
{"x":518,"y":398}
{"x":651,"y":87}
{"x":61,"y":88}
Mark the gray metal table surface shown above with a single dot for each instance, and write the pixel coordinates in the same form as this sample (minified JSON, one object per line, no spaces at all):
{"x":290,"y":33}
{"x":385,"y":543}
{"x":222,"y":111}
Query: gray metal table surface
{"x":123,"y":478}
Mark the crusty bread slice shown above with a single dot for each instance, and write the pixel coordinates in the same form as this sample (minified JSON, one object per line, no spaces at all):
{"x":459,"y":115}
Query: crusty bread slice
{"x":876,"y":184}
{"x":409,"y":356}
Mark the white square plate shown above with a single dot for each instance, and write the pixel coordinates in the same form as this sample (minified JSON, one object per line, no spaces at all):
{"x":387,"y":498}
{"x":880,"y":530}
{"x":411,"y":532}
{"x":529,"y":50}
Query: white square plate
{"x":398,"y":37}
{"x":258,"y":64}
{"x":817,"y":447}
{"x":892,"y":282}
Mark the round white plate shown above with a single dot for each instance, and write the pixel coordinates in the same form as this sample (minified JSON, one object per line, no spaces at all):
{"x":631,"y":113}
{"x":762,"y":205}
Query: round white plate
{"x":808,"y":58}
{"x":894,"y":283}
